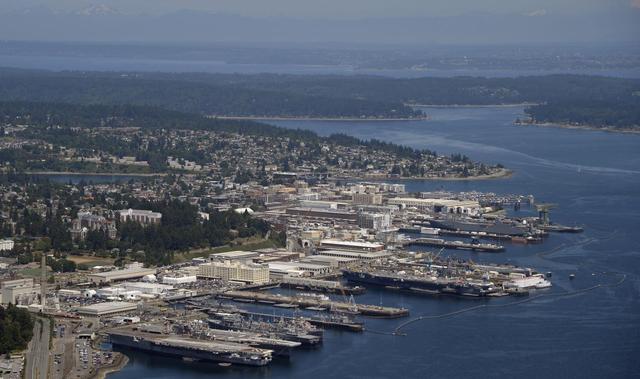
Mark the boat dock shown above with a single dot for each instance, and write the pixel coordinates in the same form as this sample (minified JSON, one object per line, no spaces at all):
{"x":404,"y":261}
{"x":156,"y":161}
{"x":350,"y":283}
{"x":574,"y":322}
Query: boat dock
{"x":328,"y":305}
{"x":458,"y":245}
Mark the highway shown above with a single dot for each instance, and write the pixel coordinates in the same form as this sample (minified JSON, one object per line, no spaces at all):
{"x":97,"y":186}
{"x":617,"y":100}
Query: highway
{"x":37,"y":357}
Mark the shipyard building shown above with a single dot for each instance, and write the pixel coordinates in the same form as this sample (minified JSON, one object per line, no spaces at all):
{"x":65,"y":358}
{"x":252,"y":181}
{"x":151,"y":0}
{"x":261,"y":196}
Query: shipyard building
{"x":19,"y":291}
{"x":468,"y":207}
{"x":235,"y":271}
{"x":120,"y":275}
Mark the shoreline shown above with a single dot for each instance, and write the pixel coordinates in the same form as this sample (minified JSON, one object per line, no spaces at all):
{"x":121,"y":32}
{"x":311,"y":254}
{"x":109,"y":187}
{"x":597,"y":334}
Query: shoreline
{"x":502,"y":174}
{"x":579,"y":127}
{"x":103,"y":372}
{"x":514,"y":105}
{"x":257,"y":118}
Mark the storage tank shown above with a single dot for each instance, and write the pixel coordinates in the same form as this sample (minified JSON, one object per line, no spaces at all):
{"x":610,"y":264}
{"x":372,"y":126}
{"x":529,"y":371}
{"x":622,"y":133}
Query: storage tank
{"x":89,"y":293}
{"x":149,"y":278}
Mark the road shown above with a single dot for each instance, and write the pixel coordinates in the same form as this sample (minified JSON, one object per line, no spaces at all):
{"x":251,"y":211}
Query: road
{"x":37,"y":357}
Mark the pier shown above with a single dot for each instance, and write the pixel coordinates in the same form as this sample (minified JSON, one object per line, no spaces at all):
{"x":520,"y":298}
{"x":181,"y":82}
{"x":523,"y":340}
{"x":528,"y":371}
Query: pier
{"x":329,"y":323}
{"x":458,"y":245}
{"x":318,"y":304}
{"x":329,"y":286}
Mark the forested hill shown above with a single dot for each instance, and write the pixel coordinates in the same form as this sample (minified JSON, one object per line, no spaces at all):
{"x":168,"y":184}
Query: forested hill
{"x":47,"y":118}
{"x":587,"y":100}
{"x":192,"y":96}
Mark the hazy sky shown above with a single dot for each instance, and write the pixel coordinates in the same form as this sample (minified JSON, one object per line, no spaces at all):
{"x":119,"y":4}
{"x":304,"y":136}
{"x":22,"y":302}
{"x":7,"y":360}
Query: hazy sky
{"x":414,"y":22}
{"x":339,"y":8}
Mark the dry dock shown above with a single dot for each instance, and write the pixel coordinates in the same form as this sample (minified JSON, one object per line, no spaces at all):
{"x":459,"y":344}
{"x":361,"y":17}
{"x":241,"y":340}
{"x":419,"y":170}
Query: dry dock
{"x":363,"y":309}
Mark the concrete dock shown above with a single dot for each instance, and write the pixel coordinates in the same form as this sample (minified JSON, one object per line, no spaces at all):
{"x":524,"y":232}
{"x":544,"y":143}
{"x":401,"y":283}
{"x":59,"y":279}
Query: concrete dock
{"x":458,"y":245}
{"x":363,"y":309}
{"x":351,"y":326}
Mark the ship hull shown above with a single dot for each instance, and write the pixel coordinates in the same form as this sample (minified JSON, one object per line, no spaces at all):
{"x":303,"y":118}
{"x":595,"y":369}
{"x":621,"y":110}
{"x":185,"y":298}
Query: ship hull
{"x":179,"y":352}
{"x":413,"y":285}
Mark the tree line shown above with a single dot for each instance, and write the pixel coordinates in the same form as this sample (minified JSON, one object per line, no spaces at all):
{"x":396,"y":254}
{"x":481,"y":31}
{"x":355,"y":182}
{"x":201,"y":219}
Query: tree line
{"x":16,"y":328}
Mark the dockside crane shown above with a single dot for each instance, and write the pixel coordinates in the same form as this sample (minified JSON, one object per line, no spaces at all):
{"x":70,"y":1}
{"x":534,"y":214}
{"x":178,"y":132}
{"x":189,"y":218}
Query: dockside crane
{"x":543,"y":212}
{"x":434,"y":257}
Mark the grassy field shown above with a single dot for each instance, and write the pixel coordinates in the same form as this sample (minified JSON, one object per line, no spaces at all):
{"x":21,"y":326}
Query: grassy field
{"x":246,"y":244}
{"x":32,"y":272}
{"x":90,"y":261}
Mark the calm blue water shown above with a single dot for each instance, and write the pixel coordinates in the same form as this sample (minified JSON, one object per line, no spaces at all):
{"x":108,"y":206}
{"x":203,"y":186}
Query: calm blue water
{"x":102,"y":63}
{"x":594,"y":177}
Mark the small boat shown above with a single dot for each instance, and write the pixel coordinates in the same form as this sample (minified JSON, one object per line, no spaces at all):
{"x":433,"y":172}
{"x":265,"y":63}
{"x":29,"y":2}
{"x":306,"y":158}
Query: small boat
{"x":285,"y":305}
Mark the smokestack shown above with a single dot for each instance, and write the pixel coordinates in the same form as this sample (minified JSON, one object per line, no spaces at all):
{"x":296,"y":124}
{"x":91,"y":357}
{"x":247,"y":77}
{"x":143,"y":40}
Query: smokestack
{"x":43,"y":282}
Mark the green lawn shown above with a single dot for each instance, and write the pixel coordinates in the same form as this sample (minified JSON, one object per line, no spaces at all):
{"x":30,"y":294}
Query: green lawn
{"x":246,"y":245}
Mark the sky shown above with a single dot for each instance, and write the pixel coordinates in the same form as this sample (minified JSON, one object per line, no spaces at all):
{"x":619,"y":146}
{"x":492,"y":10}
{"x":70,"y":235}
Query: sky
{"x":412,"y":22}
{"x":338,"y":9}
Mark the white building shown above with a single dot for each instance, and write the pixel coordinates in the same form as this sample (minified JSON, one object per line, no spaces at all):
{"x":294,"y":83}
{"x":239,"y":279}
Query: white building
{"x":117,"y":275}
{"x":360,"y":256}
{"x":332,"y":244}
{"x":279,"y":270}
{"x":377,"y":221}
{"x":106,"y":309}
{"x":6,"y":244}
{"x":19,"y":291}
{"x":144,"y":217}
{"x":179,"y":279}
{"x":235,"y":271}
{"x":154,"y":289}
